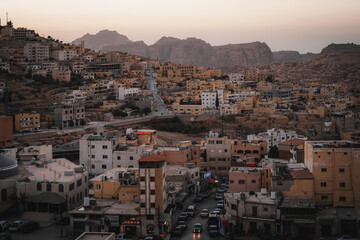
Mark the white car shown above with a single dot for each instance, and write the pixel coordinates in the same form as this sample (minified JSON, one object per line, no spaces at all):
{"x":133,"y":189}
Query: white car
{"x":4,"y":225}
{"x":15,"y":226}
{"x":347,"y":237}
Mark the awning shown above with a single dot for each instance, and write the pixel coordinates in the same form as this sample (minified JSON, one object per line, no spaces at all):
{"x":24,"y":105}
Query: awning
{"x":210,"y":180}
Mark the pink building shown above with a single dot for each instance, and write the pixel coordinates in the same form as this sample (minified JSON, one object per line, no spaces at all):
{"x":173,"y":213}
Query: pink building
{"x":243,"y":179}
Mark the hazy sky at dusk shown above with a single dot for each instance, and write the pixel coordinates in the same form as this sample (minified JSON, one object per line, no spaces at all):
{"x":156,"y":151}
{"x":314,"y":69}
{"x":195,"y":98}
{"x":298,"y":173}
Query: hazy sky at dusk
{"x":303,"y":25}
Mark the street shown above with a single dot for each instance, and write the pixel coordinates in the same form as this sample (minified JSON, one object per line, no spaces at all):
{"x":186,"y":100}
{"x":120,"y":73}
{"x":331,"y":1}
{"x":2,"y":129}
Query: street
{"x":209,"y":203}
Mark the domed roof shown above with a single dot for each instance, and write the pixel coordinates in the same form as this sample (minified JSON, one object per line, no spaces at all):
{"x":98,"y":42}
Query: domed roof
{"x":8,"y":167}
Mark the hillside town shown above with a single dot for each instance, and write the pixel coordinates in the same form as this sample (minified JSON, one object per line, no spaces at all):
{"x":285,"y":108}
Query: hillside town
{"x":127,"y":147}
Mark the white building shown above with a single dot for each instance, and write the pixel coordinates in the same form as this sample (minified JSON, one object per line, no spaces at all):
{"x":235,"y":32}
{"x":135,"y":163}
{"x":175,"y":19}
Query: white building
{"x":96,"y":153}
{"x":36,"y":52}
{"x":49,"y":66}
{"x":61,"y":55}
{"x":236,"y":77}
{"x":77,"y":67}
{"x":75,"y":96}
{"x":208,"y":99}
{"x":274,"y":136}
{"x":128,"y":156}
{"x":126,"y":92}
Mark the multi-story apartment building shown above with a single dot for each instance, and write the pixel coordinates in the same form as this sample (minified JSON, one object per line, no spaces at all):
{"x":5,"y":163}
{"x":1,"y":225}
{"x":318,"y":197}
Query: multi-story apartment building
{"x":69,"y":116}
{"x":127,"y":92}
{"x":245,"y":179}
{"x":49,"y":66}
{"x":274,"y":136}
{"x":256,"y":149}
{"x":27,"y":122}
{"x":236,"y":77}
{"x":75,"y":96}
{"x":153,"y":193}
{"x":66,"y":54}
{"x":212,"y":99}
{"x":229,"y":109}
{"x":6,"y":131}
{"x":127,"y":156}
{"x":62,"y":74}
{"x":336,"y":169}
{"x":96,"y":153}
{"x":36,"y":52}
{"x":218,"y":154}
{"x":77,"y":66}
{"x":188,"y":109}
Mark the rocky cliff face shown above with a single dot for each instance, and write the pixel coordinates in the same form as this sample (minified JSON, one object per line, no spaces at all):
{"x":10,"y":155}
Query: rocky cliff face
{"x":187,"y":51}
{"x":101,"y":39}
{"x":341,"y":48}
{"x":292,"y":56}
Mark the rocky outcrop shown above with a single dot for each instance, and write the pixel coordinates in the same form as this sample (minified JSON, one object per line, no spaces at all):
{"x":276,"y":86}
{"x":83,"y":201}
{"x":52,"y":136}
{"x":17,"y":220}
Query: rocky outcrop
{"x":292,"y":56}
{"x":341,"y":48}
{"x":101,"y":39}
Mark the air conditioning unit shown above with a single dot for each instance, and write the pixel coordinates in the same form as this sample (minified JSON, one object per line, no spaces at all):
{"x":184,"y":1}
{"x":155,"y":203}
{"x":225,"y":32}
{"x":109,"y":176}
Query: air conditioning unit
{"x":86,"y":201}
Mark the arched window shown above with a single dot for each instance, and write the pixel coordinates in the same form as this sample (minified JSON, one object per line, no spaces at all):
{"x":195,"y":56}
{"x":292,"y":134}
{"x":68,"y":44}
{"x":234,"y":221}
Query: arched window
{"x":256,"y":151}
{"x":61,"y":188}
{"x":39,"y":186}
{"x":4,"y":195}
{"x":150,"y":229}
{"x":240,"y":151}
{"x":48,"y":187}
{"x":247,"y":151}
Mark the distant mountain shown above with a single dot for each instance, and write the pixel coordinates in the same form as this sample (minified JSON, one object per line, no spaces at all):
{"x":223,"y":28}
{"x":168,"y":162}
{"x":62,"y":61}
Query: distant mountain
{"x":292,"y":56}
{"x":101,"y":39}
{"x":341,"y":48}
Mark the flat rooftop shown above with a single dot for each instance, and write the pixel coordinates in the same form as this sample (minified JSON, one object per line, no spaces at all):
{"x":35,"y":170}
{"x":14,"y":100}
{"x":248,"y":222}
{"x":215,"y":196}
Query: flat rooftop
{"x":254,"y":198}
{"x":111,"y":173}
{"x":245,"y":169}
{"x":96,"y":236}
{"x":334,"y":144}
{"x":54,"y":170}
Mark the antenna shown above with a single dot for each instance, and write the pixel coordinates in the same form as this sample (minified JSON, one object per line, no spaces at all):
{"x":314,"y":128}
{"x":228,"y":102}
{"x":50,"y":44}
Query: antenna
{"x":6,"y":17}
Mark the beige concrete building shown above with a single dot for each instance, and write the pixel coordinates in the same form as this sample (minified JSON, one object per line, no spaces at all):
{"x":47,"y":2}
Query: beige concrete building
{"x":36,"y":52}
{"x":69,"y":116}
{"x":27,"y":122}
{"x":188,"y":109}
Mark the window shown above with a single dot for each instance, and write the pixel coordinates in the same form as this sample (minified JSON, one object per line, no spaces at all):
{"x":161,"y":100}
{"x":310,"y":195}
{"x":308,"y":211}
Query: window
{"x":218,"y":142}
{"x":61,"y":188}
{"x":98,"y":186}
{"x":323,"y":184}
{"x":149,"y":217}
{"x":341,"y":169}
{"x":233,"y":206}
{"x":92,"y":146}
{"x":92,"y":165}
{"x":79,"y":182}
{"x":118,"y":158}
{"x":39,"y":186}
{"x":342,"y":184}
{"x":324,"y":197}
{"x":211,"y":159}
{"x":342,"y":198}
{"x":225,"y":150}
{"x":103,"y":166}
{"x":253,"y":181}
{"x":48,"y":187}
{"x":71,"y":186}
{"x":241,"y":181}
{"x":254,"y":211}
{"x":104,"y":146}
{"x":211,"y":142}
{"x":85,"y":178}
{"x":92,"y":156}
{"x":152,"y":179}
{"x":152,"y":192}
{"x":323,"y":169}
{"x":142,"y":192}
{"x":345,"y":153}
{"x":105,"y":156}
{"x":131,"y":158}
{"x":265,"y":209}
{"x":231,"y":181}
{"x":142,"y":179}
{"x":142,"y":205}
{"x":152,"y":205}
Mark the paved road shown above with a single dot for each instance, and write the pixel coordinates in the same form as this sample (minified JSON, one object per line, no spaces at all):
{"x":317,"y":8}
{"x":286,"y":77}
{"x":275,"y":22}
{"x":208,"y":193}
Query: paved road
{"x":188,"y":234}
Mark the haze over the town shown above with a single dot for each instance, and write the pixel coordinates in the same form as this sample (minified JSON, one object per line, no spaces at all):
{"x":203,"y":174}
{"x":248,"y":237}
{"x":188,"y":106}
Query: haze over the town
{"x":305,"y":26}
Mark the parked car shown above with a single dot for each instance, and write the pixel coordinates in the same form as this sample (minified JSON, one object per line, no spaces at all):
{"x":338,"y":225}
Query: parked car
{"x":183,"y":216}
{"x":191,"y":210}
{"x":197,"y":228}
{"x":16,"y":226}
{"x":220,"y":205}
{"x":204,"y":212}
{"x":178,"y":231}
{"x":225,"y":185}
{"x":198,"y":198}
{"x":218,"y":196}
{"x":182,"y":224}
{"x":347,"y":237}
{"x":221,"y":190}
{"x":30,"y":227}
{"x":213,"y":230}
{"x":4,"y":225}
{"x":217,"y":211}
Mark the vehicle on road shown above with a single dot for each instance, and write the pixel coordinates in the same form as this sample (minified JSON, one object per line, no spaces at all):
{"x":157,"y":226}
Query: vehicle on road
{"x":4,"y":225}
{"x":183,"y":216}
{"x":220,"y":205}
{"x":225,"y":185}
{"x":191,"y":210}
{"x":178,"y":231}
{"x":16,"y":226}
{"x":219,"y":196}
{"x":204,"y":212}
{"x":347,"y":237}
{"x":213,"y":230}
{"x":221,"y":190}
{"x":217,"y":211}
{"x":182,"y":224}
{"x":197,"y":228}
{"x":30,"y":227}
{"x":198,"y":198}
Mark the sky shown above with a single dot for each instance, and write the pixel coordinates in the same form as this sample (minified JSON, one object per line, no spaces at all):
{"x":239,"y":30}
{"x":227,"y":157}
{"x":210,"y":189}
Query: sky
{"x":301,"y":25}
